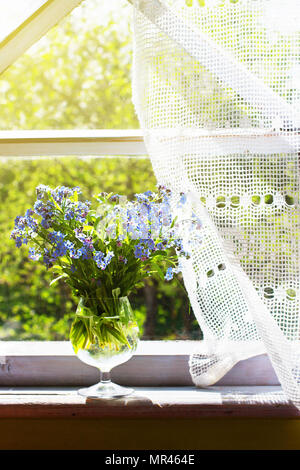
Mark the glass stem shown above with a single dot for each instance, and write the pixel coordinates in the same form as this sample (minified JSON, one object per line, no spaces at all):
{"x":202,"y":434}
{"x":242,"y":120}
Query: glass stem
{"x":105,"y":377}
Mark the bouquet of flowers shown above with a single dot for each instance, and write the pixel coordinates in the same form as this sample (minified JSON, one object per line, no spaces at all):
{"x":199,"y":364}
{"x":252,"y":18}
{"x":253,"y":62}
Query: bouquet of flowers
{"x":105,"y":251}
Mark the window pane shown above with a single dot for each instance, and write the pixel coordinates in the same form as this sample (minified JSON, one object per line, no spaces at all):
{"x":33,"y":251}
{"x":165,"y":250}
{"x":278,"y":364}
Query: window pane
{"x":76,"y":76}
{"x":14,"y":13}
{"x":29,"y":308}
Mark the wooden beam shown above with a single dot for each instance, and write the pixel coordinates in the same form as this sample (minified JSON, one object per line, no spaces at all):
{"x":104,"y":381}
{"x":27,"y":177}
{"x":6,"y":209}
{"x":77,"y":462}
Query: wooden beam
{"x":130,"y":142}
{"x":149,"y":402}
{"x":32,"y":29}
{"x":73,"y":142}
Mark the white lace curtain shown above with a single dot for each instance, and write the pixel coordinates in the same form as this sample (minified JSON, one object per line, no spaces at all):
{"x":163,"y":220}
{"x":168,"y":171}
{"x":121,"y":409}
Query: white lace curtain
{"x":217,"y":92}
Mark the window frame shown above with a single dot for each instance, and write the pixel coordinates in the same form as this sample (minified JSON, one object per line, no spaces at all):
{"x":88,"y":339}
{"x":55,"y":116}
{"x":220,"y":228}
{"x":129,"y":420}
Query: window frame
{"x":54,"y":363}
{"x":160,"y":363}
{"x":32,"y":29}
{"x":98,"y":142}
{"x":119,"y":142}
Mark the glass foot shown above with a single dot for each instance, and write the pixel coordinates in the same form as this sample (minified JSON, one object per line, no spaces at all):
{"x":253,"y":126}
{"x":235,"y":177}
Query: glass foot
{"x":105,"y":390}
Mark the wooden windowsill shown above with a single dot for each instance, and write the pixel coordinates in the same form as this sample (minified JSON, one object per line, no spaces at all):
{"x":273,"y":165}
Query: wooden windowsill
{"x":155,"y":364}
{"x":149,"y":402}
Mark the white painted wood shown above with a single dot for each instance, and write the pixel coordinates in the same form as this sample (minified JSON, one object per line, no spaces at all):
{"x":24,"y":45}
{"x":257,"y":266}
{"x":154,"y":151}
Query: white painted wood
{"x":64,"y":348}
{"x":76,"y":142}
{"x":128,"y":142}
{"x":156,"y":363}
{"x":31,"y":30}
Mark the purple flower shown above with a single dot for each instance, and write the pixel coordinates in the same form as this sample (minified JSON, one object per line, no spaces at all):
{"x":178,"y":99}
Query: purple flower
{"x":143,"y":249}
{"x":169,"y":274}
{"x":84,"y":253}
{"x":34,"y":255}
{"x":74,"y":253}
{"x":102,"y":260}
{"x":41,"y":190}
{"x":46,"y":211}
{"x":161,"y":245}
{"x":23,"y":226}
{"x":45,"y":223}
{"x":47,"y":260}
{"x":114,"y":197}
{"x":18,"y":242}
{"x":182,"y":200}
{"x":87,"y":241}
{"x":60,"y":250}
{"x":77,"y":210}
{"x":144,"y":197}
{"x":69,"y":214}
{"x":56,"y":237}
{"x":62,"y":192}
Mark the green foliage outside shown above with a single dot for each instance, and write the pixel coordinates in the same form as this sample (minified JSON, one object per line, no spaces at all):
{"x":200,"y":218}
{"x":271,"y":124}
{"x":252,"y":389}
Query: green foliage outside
{"x":78,"y":76}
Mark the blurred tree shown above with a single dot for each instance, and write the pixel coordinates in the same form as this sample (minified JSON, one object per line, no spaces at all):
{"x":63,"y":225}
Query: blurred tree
{"x":77,"y":76}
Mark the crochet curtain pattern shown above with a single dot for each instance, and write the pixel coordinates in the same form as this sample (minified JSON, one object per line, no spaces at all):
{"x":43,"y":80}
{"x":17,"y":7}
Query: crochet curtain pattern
{"x":217,"y":92}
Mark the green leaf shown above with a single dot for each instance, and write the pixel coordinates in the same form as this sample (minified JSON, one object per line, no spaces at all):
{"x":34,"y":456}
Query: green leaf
{"x":116,"y":293}
{"x":55,"y":203}
{"x":126,"y":313}
{"x":57,"y":268}
{"x":57,"y":279}
{"x":78,"y":335}
{"x":159,"y":271}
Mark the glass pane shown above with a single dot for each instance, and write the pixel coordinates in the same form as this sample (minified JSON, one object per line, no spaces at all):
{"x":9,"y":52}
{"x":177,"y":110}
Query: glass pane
{"x":77,"y":76}
{"x":14,"y":13}
{"x":30,"y":309}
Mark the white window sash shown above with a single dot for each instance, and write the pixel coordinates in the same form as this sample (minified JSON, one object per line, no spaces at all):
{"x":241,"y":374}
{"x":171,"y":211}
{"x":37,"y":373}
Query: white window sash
{"x":32,"y":29}
{"x":123,"y":142}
